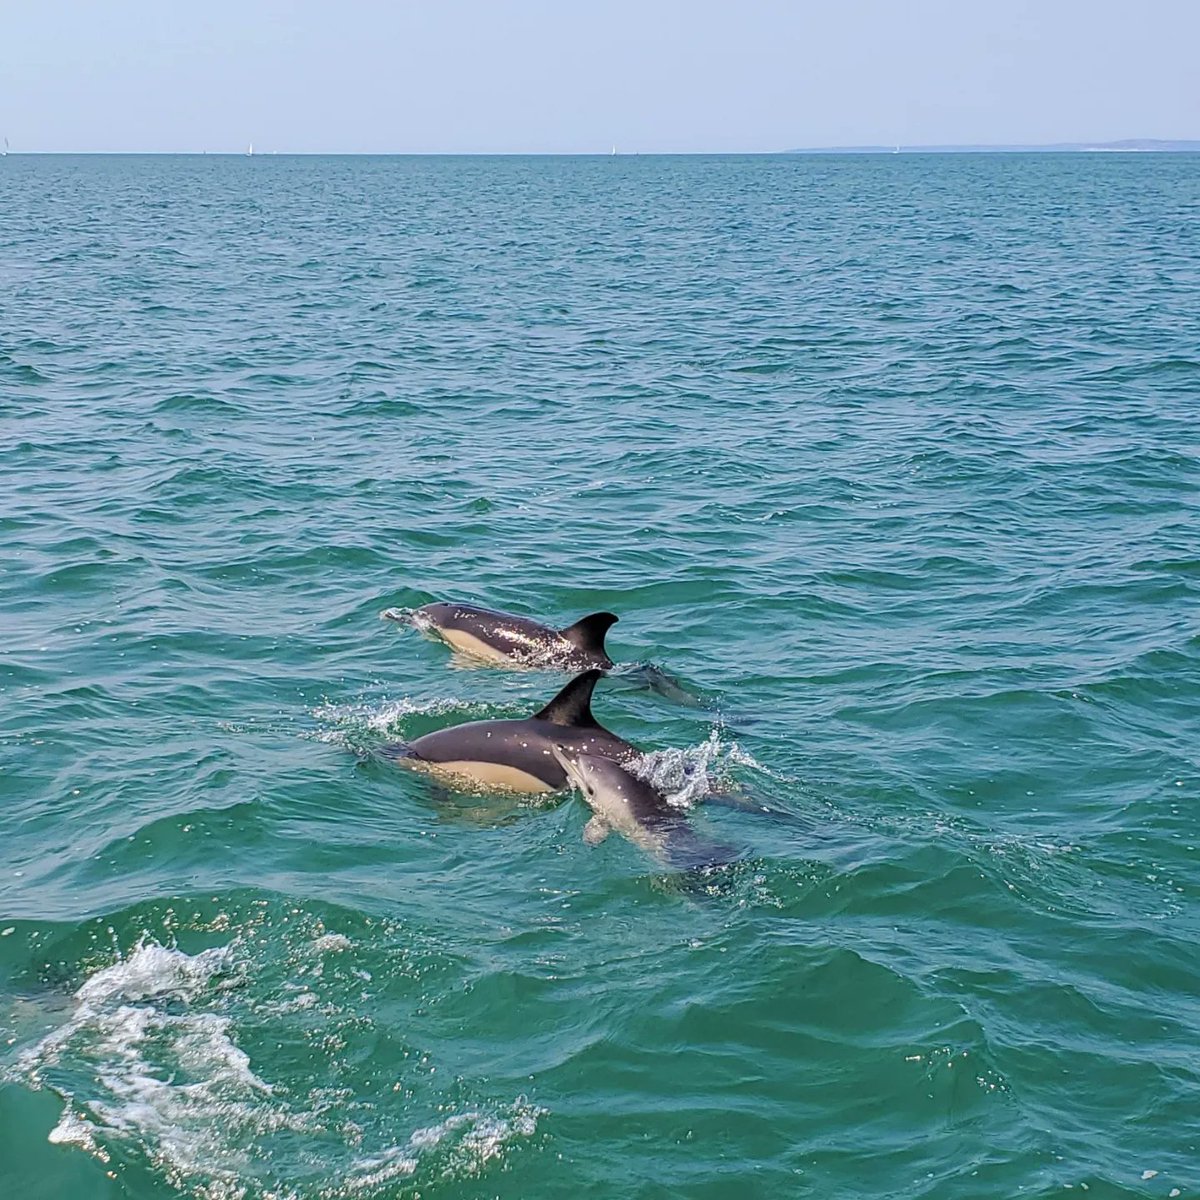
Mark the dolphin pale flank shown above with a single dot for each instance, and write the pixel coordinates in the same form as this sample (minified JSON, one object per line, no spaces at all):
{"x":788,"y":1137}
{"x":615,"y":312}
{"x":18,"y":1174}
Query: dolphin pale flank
{"x":620,"y":800}
{"x":518,"y":755}
{"x":500,"y":637}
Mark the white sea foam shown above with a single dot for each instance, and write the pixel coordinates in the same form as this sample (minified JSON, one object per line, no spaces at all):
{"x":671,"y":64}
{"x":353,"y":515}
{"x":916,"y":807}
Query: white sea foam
{"x":418,"y":619}
{"x":469,"y":1140}
{"x":383,"y":716}
{"x":149,"y":1058}
{"x":335,"y":942}
{"x":165,"y":1076}
{"x":155,"y":971}
{"x":402,"y":616}
{"x":387,"y":717}
{"x":686,"y":776}
{"x":740,"y":757}
{"x":683,"y":776}
{"x":73,"y":1130}
{"x":371,"y":1173}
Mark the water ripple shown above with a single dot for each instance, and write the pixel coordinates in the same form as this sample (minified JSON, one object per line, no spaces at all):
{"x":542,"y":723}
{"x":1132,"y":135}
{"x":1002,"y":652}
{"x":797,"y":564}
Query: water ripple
{"x":892,"y":460}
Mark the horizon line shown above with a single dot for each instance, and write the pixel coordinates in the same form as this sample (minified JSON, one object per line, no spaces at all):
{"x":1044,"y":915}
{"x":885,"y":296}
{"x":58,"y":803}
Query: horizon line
{"x":1136,"y":145}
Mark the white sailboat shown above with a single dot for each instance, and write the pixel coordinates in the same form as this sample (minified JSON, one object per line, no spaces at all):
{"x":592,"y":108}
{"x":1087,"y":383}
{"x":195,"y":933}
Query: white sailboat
{"x":250,"y":150}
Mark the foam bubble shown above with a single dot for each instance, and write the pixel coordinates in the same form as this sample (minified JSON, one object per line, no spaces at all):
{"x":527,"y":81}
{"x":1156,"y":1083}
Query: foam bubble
{"x":332,"y":942}
{"x":370,"y":1174}
{"x":686,"y":776}
{"x":149,"y":1059}
{"x":470,"y":1140}
{"x":155,"y":971}
{"x":403,"y":616}
{"x":73,"y":1130}
{"x":741,"y":757}
{"x":683,"y":776}
{"x":163,"y":1076}
{"x":386,"y":718}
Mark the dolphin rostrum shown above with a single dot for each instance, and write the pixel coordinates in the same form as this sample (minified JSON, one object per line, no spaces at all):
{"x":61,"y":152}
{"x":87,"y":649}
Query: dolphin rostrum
{"x":499,"y":637}
{"x":518,"y":755}
{"x":620,"y":800}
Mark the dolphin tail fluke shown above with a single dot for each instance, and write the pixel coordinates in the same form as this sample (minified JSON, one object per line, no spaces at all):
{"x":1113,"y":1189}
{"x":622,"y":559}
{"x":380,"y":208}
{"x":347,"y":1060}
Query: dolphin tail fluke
{"x":686,"y":851}
{"x":587,"y":634}
{"x":655,"y":679}
{"x":573,"y":705}
{"x":741,"y":801}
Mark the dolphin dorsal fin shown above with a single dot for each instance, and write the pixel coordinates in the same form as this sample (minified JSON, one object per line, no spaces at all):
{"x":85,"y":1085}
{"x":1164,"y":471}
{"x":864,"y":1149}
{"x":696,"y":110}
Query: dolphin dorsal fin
{"x":573,"y":705}
{"x":588,"y":632}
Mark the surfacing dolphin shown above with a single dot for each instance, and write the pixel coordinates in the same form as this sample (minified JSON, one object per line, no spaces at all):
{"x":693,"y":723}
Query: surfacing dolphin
{"x":517,"y":755}
{"x":500,"y":637}
{"x":636,"y":809}
{"x":503,"y":639}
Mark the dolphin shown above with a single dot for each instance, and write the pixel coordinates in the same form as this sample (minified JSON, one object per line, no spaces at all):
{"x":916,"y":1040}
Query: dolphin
{"x":499,"y":637}
{"x":620,"y":800}
{"x":517,"y":755}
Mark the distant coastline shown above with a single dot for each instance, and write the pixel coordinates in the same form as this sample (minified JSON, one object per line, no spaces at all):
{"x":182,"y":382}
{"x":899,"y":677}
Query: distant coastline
{"x":1129,"y":145}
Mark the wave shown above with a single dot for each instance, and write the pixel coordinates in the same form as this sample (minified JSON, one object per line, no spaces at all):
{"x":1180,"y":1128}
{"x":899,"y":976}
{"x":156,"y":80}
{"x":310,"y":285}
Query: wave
{"x":360,"y":725}
{"x":16,"y":372}
{"x":195,"y":402}
{"x":149,"y":1069}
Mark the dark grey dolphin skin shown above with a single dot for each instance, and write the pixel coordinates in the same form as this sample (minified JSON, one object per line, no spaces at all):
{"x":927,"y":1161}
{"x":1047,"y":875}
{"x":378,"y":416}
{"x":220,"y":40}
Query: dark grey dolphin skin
{"x":637,"y":810}
{"x":518,"y":755}
{"x":503,"y":637}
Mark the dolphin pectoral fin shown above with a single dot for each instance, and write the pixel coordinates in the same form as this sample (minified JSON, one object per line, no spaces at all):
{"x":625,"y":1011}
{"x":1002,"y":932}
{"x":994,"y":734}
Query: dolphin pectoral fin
{"x":595,"y":831}
{"x":587,"y":634}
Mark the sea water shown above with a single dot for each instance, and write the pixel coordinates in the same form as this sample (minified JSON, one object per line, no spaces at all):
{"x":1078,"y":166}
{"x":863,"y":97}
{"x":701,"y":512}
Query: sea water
{"x":889,"y":463}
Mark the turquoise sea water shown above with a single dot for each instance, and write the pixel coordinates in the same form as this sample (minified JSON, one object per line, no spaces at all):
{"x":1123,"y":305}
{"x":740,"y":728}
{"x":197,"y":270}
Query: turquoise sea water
{"x":892,"y":462}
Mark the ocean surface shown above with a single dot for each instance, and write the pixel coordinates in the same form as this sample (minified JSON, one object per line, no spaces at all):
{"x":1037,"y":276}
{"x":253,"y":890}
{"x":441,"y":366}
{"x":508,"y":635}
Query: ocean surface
{"x":891,"y":463}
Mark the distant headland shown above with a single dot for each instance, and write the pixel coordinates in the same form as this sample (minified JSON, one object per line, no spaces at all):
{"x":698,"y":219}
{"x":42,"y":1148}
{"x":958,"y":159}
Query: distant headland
{"x":1129,"y":145}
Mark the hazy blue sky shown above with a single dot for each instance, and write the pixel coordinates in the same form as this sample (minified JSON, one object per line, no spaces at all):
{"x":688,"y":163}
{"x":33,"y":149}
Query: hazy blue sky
{"x":465,"y":75}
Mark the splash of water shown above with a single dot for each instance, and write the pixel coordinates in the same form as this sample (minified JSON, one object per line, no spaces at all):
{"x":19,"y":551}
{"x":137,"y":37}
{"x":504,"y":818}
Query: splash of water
{"x":148,"y":1063}
{"x":685,"y":776}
